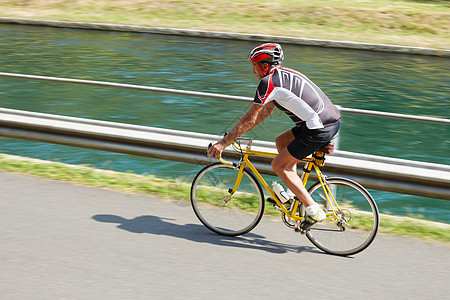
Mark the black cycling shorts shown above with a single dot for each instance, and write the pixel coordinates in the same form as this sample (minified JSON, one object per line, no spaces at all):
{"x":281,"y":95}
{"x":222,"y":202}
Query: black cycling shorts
{"x":309,"y":140}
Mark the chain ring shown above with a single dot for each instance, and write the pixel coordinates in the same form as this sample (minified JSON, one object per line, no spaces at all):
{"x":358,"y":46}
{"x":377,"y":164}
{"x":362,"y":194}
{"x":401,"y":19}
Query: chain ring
{"x":287,"y":221}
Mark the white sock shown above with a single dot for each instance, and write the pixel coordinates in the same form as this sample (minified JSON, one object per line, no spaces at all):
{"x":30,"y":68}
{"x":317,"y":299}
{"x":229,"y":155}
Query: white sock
{"x":312,"y":209}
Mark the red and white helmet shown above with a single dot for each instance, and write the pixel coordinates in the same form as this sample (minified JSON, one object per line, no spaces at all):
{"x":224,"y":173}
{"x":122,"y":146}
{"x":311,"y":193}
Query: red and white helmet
{"x":269,"y":52}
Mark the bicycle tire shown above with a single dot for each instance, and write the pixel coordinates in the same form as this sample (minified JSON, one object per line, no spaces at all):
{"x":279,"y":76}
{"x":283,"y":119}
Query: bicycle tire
{"x":358,"y":213}
{"x":241,"y":213}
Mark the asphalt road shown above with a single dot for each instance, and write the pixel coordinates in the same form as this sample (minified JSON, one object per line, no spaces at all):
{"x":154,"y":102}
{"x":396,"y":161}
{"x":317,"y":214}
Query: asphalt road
{"x":64,"y":241}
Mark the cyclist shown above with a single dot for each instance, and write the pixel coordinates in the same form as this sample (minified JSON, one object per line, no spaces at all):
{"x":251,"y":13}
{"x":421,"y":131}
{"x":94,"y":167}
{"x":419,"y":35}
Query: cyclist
{"x":316,"y":121}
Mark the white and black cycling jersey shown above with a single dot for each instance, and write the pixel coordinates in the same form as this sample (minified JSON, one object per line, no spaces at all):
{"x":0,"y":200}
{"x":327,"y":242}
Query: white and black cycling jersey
{"x":296,"y":95}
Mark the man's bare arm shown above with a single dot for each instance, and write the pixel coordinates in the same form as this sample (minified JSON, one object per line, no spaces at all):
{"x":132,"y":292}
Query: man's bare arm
{"x":255,"y":115}
{"x":267,"y":110}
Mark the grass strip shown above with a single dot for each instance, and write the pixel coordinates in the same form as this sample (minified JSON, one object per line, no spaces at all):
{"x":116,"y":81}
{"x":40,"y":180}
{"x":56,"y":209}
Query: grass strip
{"x":179,"y":189}
{"x":422,"y":23}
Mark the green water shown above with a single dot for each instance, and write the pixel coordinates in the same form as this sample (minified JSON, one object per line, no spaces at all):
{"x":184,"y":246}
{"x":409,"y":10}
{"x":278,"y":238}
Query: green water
{"x":406,"y":84}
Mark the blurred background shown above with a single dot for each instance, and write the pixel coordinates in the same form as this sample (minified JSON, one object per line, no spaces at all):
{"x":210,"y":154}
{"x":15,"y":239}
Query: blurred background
{"x":397,"y":83}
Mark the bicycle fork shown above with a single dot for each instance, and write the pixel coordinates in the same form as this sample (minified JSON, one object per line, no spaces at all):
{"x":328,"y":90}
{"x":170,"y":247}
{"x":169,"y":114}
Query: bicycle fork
{"x":231,"y":191}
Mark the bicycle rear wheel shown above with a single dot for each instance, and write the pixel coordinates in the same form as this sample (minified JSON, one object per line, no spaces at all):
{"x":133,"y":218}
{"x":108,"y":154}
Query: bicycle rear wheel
{"x":241,"y":213}
{"x":355,"y":224}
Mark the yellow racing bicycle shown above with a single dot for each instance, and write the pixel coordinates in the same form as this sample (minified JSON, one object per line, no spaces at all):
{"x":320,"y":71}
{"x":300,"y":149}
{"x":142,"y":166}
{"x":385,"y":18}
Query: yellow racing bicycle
{"x":227,"y":198}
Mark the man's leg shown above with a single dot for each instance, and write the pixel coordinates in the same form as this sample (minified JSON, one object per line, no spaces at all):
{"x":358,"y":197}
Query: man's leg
{"x":284,"y":139}
{"x":285,"y":166}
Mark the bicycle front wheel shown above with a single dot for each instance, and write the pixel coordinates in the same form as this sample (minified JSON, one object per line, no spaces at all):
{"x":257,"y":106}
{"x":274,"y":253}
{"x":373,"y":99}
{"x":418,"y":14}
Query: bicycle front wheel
{"x":235,"y":216}
{"x":352,"y":219}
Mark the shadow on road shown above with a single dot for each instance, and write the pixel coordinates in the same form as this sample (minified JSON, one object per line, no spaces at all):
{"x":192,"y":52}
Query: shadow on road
{"x":198,"y":233}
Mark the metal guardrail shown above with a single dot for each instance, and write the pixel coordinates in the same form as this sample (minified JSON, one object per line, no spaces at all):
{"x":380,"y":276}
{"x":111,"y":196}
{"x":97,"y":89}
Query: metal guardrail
{"x":388,"y":174}
{"x":216,"y":96}
{"x":381,"y":173}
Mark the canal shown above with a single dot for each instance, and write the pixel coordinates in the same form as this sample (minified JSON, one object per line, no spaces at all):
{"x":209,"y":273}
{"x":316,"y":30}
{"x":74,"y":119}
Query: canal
{"x":397,"y":83}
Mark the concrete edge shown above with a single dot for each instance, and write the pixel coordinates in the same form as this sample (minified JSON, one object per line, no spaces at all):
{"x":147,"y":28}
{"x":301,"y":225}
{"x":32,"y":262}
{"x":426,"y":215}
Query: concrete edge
{"x":229,"y":35}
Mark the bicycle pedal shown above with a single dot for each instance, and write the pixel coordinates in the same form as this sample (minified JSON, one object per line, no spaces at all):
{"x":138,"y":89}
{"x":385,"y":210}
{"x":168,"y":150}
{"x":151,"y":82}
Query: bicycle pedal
{"x":275,"y":205}
{"x":271,"y":201}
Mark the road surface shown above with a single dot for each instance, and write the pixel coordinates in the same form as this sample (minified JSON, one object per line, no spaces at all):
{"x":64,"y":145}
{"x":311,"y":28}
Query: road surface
{"x":64,"y":241}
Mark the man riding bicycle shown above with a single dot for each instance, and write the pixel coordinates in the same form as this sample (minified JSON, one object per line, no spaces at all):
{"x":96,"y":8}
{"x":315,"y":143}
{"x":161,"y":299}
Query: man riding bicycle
{"x":315,"y":117}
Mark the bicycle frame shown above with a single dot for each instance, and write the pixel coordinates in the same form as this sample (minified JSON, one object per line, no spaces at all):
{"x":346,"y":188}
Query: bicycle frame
{"x":311,"y":163}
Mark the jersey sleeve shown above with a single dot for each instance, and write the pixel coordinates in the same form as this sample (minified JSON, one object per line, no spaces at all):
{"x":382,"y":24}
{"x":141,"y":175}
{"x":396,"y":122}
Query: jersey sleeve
{"x":265,"y":88}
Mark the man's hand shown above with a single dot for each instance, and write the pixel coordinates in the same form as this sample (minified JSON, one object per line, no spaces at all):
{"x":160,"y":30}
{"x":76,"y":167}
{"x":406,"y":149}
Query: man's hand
{"x":216,"y":150}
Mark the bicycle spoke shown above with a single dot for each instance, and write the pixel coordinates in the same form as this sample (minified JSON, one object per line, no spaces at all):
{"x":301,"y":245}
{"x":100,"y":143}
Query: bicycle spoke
{"x":220,"y":211}
{"x":356,"y":219}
